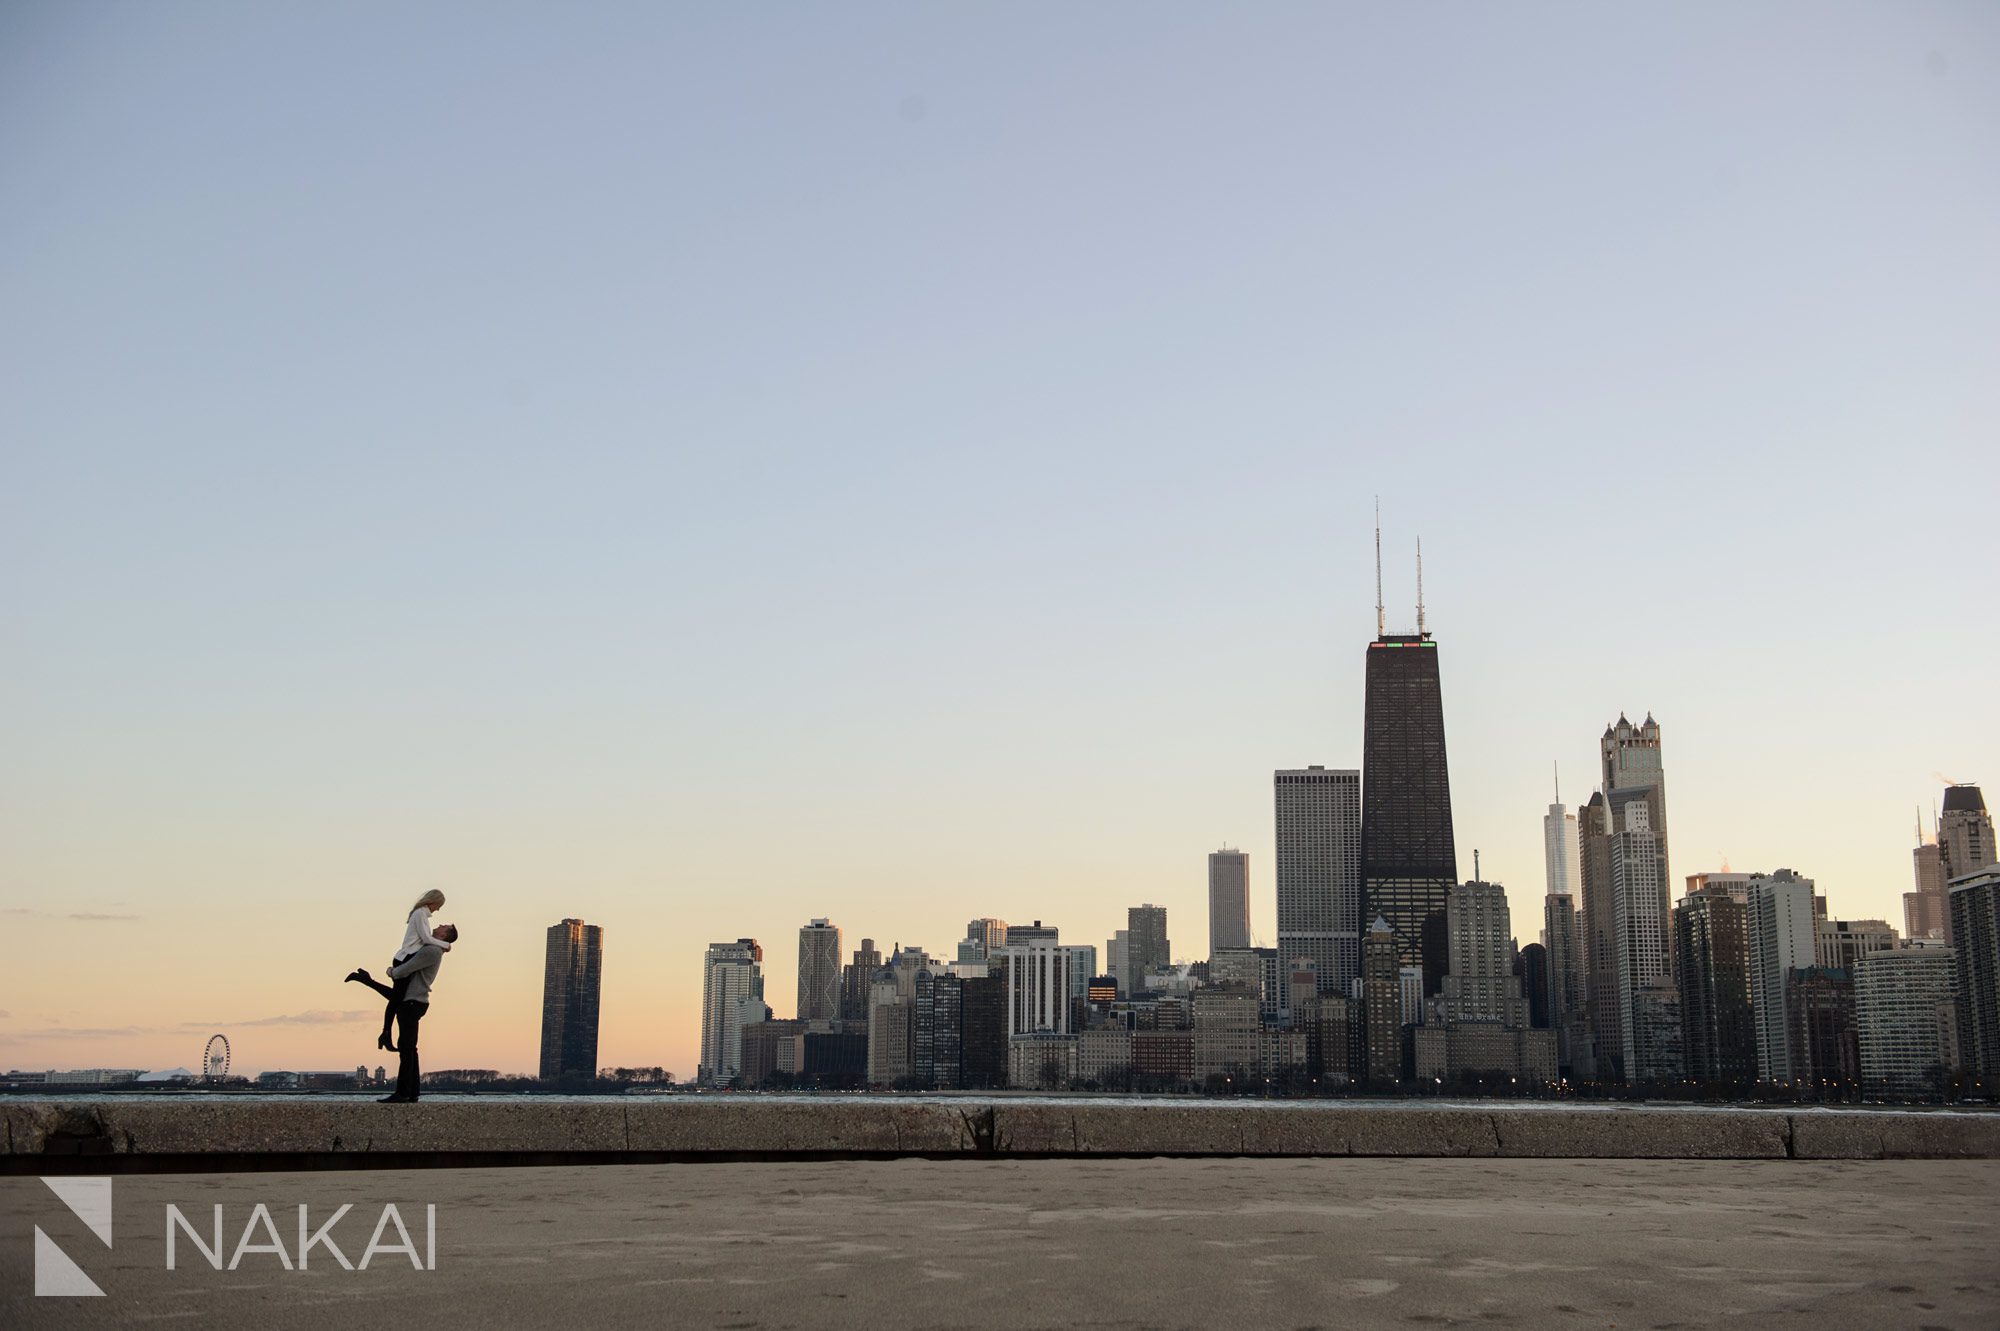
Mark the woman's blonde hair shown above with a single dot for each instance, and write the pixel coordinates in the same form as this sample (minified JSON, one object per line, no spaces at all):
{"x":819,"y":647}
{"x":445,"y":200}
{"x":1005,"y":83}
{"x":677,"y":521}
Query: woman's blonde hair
{"x":431,"y":900}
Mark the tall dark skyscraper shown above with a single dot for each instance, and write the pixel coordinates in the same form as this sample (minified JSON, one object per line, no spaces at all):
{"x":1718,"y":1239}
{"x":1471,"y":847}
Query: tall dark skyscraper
{"x":571,"y":979}
{"x":1408,"y":860}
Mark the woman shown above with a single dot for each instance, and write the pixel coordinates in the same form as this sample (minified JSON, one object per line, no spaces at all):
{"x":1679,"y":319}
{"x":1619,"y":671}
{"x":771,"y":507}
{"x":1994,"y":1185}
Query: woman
{"x":417,"y":934}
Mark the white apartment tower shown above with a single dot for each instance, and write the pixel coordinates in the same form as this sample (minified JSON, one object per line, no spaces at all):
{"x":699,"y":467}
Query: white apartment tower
{"x":1639,"y":918}
{"x":1319,"y":872}
{"x":1779,"y":923}
{"x":731,"y":973}
{"x":1905,"y":1015}
{"x":1039,"y":986}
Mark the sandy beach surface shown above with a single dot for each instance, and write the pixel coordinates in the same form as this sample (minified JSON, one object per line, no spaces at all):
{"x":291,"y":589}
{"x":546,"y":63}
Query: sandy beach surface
{"x":1054,"y":1243}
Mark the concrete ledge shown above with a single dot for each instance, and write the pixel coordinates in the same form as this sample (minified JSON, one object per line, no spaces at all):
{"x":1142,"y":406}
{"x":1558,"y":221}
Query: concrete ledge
{"x":447,"y":1130}
{"x":1850,"y":1136}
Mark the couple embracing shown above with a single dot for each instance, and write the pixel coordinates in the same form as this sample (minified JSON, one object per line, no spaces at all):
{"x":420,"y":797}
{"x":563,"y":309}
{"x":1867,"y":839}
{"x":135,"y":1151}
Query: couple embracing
{"x":414,"y":970}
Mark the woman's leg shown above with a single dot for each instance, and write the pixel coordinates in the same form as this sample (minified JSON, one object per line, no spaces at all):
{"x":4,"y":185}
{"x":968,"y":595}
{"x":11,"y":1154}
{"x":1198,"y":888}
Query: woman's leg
{"x":359,"y":976}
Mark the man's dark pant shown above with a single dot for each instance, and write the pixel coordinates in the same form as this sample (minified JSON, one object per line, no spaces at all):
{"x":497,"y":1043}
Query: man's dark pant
{"x":409,"y":1014}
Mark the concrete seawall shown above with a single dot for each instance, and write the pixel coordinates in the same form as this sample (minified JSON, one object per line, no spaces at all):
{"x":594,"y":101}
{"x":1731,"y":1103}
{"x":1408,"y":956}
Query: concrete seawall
{"x":119,"y":1132}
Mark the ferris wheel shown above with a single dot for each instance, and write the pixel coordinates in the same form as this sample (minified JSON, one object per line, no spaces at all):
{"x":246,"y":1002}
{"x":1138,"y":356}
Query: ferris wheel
{"x":215,"y":1058}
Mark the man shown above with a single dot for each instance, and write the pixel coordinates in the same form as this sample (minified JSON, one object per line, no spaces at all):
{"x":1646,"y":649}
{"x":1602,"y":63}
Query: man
{"x":421,"y":967}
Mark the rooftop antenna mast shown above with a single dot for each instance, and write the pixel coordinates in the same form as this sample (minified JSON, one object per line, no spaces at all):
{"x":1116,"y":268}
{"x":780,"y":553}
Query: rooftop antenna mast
{"x":1420,"y":586}
{"x":1556,"y":767}
{"x":1381,"y":631}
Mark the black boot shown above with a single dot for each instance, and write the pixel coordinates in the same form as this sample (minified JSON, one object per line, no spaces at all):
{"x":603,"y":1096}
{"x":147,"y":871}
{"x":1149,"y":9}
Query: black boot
{"x":358,"y":976}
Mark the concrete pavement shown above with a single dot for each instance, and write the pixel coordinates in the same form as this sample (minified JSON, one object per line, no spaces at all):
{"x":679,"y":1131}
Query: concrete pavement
{"x":1054,"y":1243}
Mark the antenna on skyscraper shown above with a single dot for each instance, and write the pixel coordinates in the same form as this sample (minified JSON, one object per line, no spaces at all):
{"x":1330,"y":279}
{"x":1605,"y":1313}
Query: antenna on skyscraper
{"x":1475,"y":866}
{"x":1381,"y":629}
{"x":1556,"y":767}
{"x":1420,"y":586}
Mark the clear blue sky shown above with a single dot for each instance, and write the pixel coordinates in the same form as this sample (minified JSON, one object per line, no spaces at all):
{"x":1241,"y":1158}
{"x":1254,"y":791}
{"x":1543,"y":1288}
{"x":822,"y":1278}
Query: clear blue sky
{"x":700,"y":468}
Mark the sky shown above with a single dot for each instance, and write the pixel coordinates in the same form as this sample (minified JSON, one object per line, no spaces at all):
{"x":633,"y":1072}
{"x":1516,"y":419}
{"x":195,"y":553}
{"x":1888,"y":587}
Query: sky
{"x":700,"y":468}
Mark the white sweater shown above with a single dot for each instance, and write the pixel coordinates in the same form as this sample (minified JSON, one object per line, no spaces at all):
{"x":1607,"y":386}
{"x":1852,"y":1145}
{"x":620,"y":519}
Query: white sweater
{"x":418,"y":934}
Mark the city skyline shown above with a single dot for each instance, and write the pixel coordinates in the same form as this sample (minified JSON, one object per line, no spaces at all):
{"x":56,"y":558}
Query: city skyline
{"x":770,"y":468}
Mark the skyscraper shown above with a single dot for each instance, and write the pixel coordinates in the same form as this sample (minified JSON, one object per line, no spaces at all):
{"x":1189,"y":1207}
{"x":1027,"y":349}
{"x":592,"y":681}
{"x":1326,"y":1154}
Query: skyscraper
{"x":1599,"y":944}
{"x":1638,"y":863}
{"x":1228,"y":900}
{"x":1780,"y":928}
{"x":1319,"y":872}
{"x":1711,"y":962}
{"x":1923,"y":914}
{"x":1633,"y":761}
{"x":1480,"y":984}
{"x":1965,"y":833}
{"x":572,"y":973}
{"x":1560,"y":867}
{"x":1409,"y":861}
{"x":982,"y":937}
{"x":819,"y":971}
{"x":731,"y":973}
{"x":1382,"y":1005}
{"x":1565,"y":973}
{"x":1975,"y":924}
{"x":1901,"y":1001}
{"x":1147,"y":950}
{"x":856,"y":979}
{"x":1040,"y":990}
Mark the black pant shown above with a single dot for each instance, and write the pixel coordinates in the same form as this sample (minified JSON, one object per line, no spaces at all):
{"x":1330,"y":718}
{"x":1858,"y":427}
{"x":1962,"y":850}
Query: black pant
{"x":409,"y":1014}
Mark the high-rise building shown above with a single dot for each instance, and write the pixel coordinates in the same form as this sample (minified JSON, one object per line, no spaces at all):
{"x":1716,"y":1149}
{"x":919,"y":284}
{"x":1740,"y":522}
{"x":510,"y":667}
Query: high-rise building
{"x":1018,"y":935}
{"x":1975,"y":923}
{"x":1118,"y":961}
{"x":1260,"y":970}
{"x":1819,"y":1003}
{"x":983,"y":937}
{"x":1659,"y":1049}
{"x":1225,"y":1031}
{"x":1228,"y":900}
{"x":1382,"y":1005}
{"x":937,"y":1044}
{"x":1779,"y":924}
{"x":572,"y":979}
{"x":983,"y":1031}
{"x":1900,"y":1001}
{"x":819,"y":971}
{"x":1531,"y":968}
{"x":1597,"y":919}
{"x":1480,"y":984}
{"x":856,"y":979}
{"x":1319,"y":871}
{"x":1409,"y":861}
{"x":1924,"y":909}
{"x":1565,"y":974}
{"x":1147,"y":950}
{"x":1040,"y":990}
{"x":731,"y":973}
{"x":1735,"y":886}
{"x":1965,"y":834}
{"x":1711,"y":962}
{"x":1632,"y":761}
{"x":1635,"y":859}
{"x":1562,"y":870}
{"x":891,"y":1028}
{"x":1838,"y":944}
{"x":1480,"y":1023}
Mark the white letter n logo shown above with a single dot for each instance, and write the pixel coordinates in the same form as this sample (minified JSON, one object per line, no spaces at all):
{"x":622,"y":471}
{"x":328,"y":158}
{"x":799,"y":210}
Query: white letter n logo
{"x":55,"y":1273}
